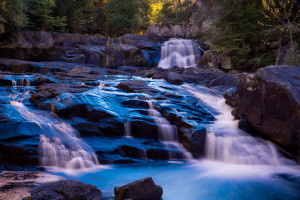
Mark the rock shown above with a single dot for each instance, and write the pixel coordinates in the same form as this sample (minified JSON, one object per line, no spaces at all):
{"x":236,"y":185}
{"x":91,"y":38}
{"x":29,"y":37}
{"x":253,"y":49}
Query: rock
{"x":66,"y":190}
{"x":216,"y":60}
{"x":228,"y":96}
{"x":174,"y":78}
{"x":77,"y":58}
{"x":144,"y":129}
{"x":166,"y":31}
{"x":77,"y":70}
{"x":136,"y":86}
{"x":33,"y":38}
{"x":144,"y":189}
{"x":158,"y":154}
{"x":140,"y":41}
{"x":131,"y":152}
{"x":245,"y":126}
{"x":4,"y":82}
{"x":270,"y":101}
{"x":197,"y":143}
{"x":39,"y":53}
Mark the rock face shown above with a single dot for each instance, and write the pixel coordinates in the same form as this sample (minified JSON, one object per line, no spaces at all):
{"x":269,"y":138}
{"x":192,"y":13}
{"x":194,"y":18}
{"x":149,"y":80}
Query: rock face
{"x":166,"y":31}
{"x":129,"y":50}
{"x":144,"y":189}
{"x":67,"y":190}
{"x":214,"y":59}
{"x":270,"y":101}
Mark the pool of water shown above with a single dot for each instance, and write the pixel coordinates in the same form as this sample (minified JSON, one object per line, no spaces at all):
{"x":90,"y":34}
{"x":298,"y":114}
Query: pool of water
{"x":195,"y":180}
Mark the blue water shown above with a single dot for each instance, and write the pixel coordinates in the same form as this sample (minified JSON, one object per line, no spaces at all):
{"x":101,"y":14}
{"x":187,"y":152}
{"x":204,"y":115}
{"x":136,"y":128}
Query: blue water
{"x":195,"y":180}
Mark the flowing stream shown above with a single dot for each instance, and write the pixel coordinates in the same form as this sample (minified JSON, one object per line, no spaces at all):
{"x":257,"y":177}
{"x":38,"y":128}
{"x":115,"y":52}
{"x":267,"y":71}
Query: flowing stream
{"x":177,"y":52}
{"x":236,"y":165}
{"x":167,"y":133}
{"x":225,"y":142}
{"x":60,"y":145}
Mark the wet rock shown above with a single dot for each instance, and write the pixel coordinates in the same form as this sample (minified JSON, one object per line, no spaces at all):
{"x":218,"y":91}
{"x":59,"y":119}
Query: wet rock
{"x":158,"y":154}
{"x":245,"y":126}
{"x":142,"y":189}
{"x":4,"y":82}
{"x":66,"y":190}
{"x":228,"y":97}
{"x":174,"y":78}
{"x":135,"y":104}
{"x":41,"y":95}
{"x":136,"y":86}
{"x":197,"y":143}
{"x":130,"y":151}
{"x":144,"y":129}
{"x":270,"y":101}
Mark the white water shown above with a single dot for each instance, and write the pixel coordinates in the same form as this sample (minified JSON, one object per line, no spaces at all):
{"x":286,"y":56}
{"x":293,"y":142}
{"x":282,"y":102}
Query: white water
{"x":167,"y":132}
{"x":225,"y":142}
{"x":60,"y":146}
{"x":20,"y":82}
{"x":177,"y":52}
{"x":127,"y":127}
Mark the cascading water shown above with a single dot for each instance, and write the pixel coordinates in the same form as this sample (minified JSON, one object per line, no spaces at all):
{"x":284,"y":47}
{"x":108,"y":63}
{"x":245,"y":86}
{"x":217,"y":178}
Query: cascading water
{"x":127,"y":127}
{"x":20,"y":81}
{"x":167,"y":133}
{"x":177,"y":52}
{"x":59,"y":144}
{"x":227,"y":143}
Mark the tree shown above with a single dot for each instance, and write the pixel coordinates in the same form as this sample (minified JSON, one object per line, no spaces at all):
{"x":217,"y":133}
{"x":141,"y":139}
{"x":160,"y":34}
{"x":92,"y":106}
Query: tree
{"x":284,"y":16}
{"x":13,"y":14}
{"x":121,"y":16}
{"x":236,"y":32}
{"x":40,"y":13}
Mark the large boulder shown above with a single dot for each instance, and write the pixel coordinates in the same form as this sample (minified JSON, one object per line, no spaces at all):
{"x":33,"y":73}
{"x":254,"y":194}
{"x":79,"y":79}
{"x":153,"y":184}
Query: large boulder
{"x":144,"y":189}
{"x":174,"y":78}
{"x":270,"y":101}
{"x":66,"y":190}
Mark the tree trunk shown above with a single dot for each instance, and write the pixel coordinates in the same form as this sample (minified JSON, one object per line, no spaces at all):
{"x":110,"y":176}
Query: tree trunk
{"x":279,"y":48}
{"x":175,"y":9}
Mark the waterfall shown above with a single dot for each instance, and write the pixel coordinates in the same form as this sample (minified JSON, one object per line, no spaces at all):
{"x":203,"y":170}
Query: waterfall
{"x":167,"y":133}
{"x":60,"y":145}
{"x":227,"y":143}
{"x":127,"y":129}
{"x":20,"y":81}
{"x":177,"y":52}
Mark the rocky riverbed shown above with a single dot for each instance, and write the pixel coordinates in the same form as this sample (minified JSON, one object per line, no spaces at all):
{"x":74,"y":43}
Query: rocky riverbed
{"x":128,"y":112}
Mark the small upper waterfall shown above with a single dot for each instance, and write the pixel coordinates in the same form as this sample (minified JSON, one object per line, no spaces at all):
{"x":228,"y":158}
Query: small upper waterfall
{"x":60,"y":145}
{"x":177,"y":52}
{"x":227,"y":143}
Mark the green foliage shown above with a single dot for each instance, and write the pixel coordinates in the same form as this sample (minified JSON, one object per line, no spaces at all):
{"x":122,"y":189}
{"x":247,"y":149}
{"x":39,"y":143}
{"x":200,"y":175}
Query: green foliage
{"x":13,"y":17}
{"x":124,"y":16}
{"x":292,"y":56}
{"x":237,"y":31}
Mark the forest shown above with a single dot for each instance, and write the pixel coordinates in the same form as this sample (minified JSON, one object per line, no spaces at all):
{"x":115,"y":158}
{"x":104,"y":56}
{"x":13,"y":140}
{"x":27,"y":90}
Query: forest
{"x":249,"y":31}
